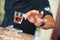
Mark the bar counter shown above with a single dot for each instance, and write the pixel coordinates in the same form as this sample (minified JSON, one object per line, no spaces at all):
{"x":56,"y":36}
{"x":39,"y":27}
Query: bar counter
{"x":7,"y":34}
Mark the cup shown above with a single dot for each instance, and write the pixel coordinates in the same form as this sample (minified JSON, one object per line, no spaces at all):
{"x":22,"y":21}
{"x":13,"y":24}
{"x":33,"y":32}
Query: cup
{"x":18,"y":17}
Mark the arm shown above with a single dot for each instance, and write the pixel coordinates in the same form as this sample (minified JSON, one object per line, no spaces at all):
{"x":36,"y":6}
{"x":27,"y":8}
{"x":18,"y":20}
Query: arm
{"x":50,"y":22}
{"x":48,"y":15}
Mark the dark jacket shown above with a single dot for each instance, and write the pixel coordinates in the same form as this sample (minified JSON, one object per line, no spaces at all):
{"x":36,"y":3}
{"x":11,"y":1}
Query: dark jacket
{"x":24,"y":6}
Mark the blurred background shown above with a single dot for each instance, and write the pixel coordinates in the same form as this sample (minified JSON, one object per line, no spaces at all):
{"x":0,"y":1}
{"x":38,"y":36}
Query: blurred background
{"x":1,"y":10}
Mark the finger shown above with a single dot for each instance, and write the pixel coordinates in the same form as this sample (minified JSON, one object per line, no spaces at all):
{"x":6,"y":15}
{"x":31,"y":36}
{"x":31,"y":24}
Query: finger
{"x":28,"y":14}
{"x":43,"y":20}
{"x":38,"y":24}
{"x":40,"y":21}
{"x":32,"y":12}
{"x":41,"y":14}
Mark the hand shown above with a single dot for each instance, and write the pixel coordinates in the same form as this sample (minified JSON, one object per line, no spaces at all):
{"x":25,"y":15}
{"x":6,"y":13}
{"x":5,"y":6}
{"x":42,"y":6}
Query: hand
{"x":34,"y":17}
{"x":31,"y":15}
{"x":49,"y":23}
{"x":40,"y":22}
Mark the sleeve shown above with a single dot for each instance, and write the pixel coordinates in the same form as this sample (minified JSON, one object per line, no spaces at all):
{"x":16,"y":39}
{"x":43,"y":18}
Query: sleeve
{"x":46,"y":8}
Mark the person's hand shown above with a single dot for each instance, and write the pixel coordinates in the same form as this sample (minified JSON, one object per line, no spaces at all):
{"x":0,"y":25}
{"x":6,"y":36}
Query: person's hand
{"x":31,"y":15}
{"x":39,"y":19}
{"x":34,"y":17}
{"x":48,"y":20}
{"x":49,"y":23}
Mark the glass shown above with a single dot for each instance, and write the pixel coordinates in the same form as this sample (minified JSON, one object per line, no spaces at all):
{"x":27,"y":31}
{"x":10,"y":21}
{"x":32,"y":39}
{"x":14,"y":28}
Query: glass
{"x":18,"y":17}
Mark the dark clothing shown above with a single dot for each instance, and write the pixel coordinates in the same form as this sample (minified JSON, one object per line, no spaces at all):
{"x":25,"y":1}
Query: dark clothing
{"x":24,"y":6}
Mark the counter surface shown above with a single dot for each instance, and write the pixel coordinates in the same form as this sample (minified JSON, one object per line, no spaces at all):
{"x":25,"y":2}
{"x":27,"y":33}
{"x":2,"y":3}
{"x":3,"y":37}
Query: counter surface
{"x":7,"y":34}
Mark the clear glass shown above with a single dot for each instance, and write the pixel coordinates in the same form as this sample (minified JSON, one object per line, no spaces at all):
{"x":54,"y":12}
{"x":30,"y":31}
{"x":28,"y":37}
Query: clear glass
{"x":18,"y":17}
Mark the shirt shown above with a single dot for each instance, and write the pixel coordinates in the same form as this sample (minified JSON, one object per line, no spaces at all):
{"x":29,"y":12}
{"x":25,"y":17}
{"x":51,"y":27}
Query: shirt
{"x":24,"y":6}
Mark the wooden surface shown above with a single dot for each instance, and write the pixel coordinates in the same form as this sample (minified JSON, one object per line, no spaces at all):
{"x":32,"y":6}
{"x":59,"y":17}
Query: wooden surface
{"x":5,"y":34}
